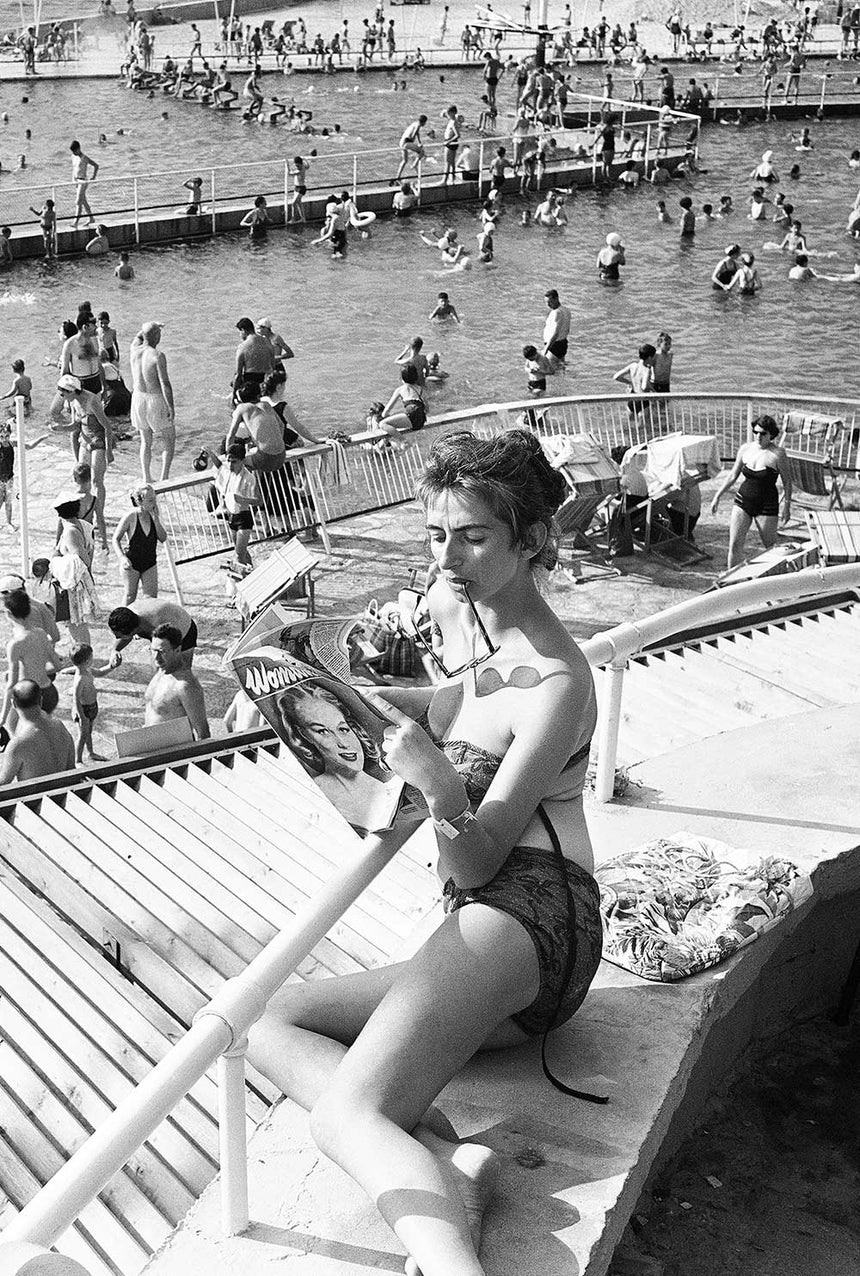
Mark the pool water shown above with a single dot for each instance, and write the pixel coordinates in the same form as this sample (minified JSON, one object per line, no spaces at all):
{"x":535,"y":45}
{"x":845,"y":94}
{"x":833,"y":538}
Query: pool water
{"x":347,"y":321}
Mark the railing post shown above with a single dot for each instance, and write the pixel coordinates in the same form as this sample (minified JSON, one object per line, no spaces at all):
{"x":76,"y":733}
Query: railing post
{"x":174,"y":574}
{"x":749,"y":420}
{"x":647,"y":147}
{"x":136,"y":214}
{"x":481,"y":169}
{"x":232,"y":1139}
{"x":418,"y":179}
{"x":212,"y":200}
{"x":610,"y":721}
{"x":354,"y":176}
{"x":716,"y":95}
{"x":286,"y":191}
{"x":23,"y":512}
{"x":823,"y":92}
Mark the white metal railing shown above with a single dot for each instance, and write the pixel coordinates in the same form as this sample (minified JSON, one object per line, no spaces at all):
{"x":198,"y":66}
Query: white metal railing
{"x":614,"y":648}
{"x":219,"y":1031}
{"x":139,"y":197}
{"x":307,"y":491}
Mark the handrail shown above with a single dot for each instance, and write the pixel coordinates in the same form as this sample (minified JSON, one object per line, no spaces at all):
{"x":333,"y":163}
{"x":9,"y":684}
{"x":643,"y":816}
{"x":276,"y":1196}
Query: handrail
{"x":614,"y":648}
{"x":219,"y":1030}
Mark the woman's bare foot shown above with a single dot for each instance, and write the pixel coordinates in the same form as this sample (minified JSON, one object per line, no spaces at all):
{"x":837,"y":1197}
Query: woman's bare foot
{"x":476,"y":1171}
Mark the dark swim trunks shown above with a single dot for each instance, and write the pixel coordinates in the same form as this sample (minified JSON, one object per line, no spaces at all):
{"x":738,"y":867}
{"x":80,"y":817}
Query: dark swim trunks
{"x":88,"y":711}
{"x":558,"y":348}
{"x":189,"y":642}
{"x":530,"y":887}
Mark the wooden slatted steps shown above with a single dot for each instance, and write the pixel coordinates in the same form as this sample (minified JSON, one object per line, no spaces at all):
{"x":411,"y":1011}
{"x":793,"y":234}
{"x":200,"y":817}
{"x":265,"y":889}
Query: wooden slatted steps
{"x":718,"y":683}
{"x":123,"y":908}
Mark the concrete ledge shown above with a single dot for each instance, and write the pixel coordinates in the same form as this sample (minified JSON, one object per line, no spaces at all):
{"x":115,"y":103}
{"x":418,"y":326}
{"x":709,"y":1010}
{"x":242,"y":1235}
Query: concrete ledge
{"x":572,"y":1172}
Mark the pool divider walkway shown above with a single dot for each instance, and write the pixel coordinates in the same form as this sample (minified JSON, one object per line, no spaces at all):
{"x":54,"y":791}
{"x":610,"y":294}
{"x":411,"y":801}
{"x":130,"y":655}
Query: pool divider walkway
{"x":156,"y":227}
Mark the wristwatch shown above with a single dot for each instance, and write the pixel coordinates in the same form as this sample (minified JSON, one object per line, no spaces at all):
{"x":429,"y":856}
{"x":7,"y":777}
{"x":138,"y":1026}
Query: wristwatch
{"x":457,"y":825}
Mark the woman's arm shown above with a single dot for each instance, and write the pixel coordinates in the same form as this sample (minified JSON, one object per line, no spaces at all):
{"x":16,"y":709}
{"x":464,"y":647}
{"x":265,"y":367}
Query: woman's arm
{"x":386,"y":411}
{"x":160,"y":531}
{"x":784,"y":470}
{"x":542,"y":746}
{"x":122,"y":529}
{"x":727,"y":482}
{"x":235,"y":421}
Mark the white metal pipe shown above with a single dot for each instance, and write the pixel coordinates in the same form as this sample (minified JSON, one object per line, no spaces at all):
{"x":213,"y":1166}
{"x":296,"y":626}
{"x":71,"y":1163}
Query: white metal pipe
{"x":136,"y":214}
{"x":216,"y":1028}
{"x":823,"y":92}
{"x":722,"y":604}
{"x":23,"y":514}
{"x":232,"y":1140}
{"x":607,"y":736}
{"x":212,"y":200}
{"x":174,"y":574}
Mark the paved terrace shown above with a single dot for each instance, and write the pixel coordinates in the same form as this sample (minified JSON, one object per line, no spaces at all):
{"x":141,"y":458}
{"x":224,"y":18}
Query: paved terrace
{"x":572,"y":1172}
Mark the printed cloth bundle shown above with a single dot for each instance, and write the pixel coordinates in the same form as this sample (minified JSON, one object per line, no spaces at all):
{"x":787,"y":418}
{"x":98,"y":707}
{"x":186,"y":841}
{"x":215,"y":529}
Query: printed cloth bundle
{"x":675,"y":906}
{"x":383,"y":629}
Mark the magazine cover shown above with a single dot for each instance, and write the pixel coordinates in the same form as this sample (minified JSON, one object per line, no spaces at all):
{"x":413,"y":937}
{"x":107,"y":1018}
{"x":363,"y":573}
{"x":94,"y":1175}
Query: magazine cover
{"x":296,"y":673}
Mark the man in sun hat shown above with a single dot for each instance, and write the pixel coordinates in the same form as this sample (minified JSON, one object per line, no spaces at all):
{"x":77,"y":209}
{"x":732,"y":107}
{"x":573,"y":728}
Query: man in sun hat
{"x":280,"y":349}
{"x":152,"y":409}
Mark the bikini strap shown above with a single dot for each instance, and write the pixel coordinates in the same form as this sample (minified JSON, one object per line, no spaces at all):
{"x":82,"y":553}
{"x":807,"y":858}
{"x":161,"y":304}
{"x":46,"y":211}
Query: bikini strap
{"x":569,"y":965}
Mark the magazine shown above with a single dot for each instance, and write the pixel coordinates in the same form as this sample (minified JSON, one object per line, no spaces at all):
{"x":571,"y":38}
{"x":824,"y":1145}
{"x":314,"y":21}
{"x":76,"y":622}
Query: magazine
{"x":297,"y":673}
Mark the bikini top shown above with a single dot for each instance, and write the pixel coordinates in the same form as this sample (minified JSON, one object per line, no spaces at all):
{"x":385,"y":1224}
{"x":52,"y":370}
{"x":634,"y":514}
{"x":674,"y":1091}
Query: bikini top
{"x":477,"y":768}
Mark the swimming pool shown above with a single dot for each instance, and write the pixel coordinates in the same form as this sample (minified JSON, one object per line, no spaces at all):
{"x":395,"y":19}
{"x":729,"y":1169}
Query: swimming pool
{"x":348,"y":320}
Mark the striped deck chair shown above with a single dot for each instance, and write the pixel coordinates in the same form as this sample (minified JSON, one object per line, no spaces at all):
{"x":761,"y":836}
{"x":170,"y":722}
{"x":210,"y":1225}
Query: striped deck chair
{"x":815,"y":486}
{"x":287,"y":574}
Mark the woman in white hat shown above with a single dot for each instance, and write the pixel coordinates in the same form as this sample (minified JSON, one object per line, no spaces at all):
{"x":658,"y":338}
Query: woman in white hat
{"x":765,"y":171}
{"x":610,"y":257}
{"x":95,"y":444}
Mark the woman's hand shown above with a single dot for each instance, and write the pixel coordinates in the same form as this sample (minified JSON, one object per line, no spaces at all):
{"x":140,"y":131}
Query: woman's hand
{"x":412,"y":755}
{"x":715,"y":503}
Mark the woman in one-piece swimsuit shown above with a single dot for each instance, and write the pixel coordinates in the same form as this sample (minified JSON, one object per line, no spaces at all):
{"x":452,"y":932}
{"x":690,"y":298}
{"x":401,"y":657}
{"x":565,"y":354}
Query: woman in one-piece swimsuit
{"x":501,"y":769}
{"x":761,"y":464}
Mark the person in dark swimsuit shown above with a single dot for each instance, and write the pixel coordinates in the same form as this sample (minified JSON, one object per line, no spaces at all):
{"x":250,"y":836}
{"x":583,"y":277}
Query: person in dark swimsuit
{"x":135,"y":543}
{"x":501,"y":769}
{"x":95,"y":439}
{"x":761,"y":463}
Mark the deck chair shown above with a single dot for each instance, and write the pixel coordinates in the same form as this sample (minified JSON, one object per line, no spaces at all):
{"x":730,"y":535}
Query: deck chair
{"x":594,"y":480}
{"x":286,"y":575}
{"x":815,"y":486}
{"x":812,"y":432}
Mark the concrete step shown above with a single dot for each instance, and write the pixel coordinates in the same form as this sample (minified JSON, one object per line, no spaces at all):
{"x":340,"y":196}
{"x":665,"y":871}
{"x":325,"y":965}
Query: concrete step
{"x":774,"y":665}
{"x":750,"y":690}
{"x":800,"y":656}
{"x":680,"y":705}
{"x":702,"y":691}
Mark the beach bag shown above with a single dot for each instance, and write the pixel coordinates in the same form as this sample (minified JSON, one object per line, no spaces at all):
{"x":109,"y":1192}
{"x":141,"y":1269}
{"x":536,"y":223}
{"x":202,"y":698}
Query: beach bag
{"x":382,"y":628}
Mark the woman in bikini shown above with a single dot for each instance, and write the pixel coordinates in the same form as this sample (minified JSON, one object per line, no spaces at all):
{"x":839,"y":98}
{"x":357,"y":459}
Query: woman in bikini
{"x":762,"y":463}
{"x":499,"y":749}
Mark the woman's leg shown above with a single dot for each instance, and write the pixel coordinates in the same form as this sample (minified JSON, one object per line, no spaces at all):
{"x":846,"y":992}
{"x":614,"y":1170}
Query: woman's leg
{"x":149,"y":582}
{"x":130,"y":579}
{"x":768,"y":525}
{"x":97,"y":459}
{"x":738,"y":528}
{"x":479,"y":968}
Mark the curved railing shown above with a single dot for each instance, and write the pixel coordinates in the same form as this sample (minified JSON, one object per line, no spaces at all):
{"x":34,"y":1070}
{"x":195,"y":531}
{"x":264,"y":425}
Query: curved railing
{"x":311,"y":491}
{"x":220,"y":1030}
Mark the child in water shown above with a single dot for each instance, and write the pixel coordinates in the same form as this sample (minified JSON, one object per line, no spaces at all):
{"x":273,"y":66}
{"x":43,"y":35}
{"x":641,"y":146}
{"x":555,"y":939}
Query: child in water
{"x":662,"y":214}
{"x":124,"y":270}
{"x":538,"y":368}
{"x":444,"y":309}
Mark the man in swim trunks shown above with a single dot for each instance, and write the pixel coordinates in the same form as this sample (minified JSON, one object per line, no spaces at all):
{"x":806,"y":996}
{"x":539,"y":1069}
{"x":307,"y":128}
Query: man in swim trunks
{"x":411,"y":145}
{"x":256,"y":419}
{"x":29,"y":654}
{"x":173,"y":691}
{"x":556,"y":330}
{"x":152,"y":410}
{"x":79,"y":358}
{"x":141,"y":621}
{"x":254,"y":357}
{"x":81,"y":165}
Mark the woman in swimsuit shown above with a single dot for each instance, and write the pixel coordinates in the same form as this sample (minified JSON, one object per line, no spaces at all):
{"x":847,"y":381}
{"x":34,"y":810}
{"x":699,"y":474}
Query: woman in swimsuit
{"x":144,"y":532}
{"x":95,"y":439}
{"x":761,"y":463}
{"x":501,"y":764}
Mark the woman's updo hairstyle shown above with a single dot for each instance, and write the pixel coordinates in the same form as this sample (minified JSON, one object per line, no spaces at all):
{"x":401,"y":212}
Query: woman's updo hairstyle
{"x":509,"y":472}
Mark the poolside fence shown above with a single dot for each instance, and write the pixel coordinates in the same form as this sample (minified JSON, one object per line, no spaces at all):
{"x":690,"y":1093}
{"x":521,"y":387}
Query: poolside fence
{"x":312,"y":490}
{"x":148,"y":196}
